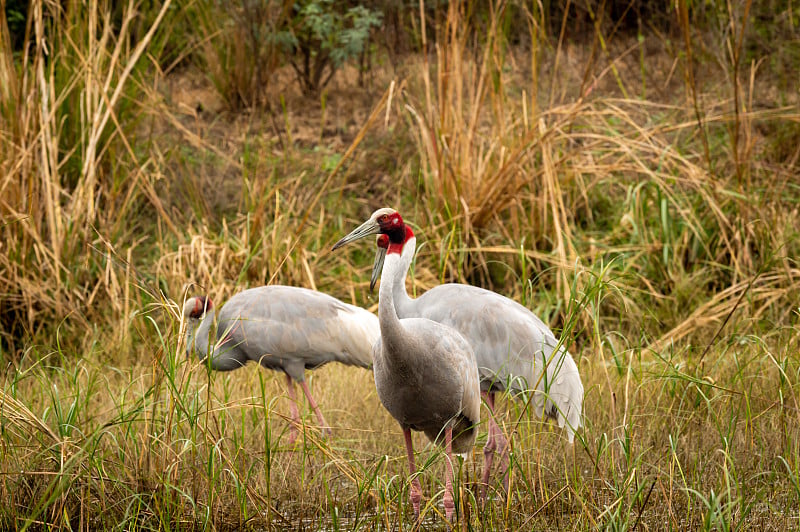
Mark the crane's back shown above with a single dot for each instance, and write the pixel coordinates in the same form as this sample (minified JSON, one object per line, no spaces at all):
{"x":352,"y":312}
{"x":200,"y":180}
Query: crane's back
{"x":514,"y":349}
{"x":292,"y":329}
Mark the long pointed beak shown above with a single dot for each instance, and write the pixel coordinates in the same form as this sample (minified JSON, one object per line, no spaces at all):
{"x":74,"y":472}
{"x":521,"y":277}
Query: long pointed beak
{"x":370,"y":227}
{"x":380,"y":255}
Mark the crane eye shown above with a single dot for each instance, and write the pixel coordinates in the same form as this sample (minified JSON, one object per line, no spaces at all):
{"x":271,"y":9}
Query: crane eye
{"x":383,"y":217}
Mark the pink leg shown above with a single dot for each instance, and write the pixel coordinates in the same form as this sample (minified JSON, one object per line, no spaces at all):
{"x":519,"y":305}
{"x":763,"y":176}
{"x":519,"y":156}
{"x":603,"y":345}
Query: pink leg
{"x":323,"y":424}
{"x":495,"y":442}
{"x":491,"y":444}
{"x":449,"y":504}
{"x":293,"y":430}
{"x":416,"y":488}
{"x":502,"y":449}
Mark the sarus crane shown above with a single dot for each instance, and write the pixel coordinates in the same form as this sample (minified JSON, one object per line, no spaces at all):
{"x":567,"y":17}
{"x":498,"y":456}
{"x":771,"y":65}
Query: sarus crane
{"x":513,"y":348}
{"x":283,"y":328}
{"x":427,"y":379}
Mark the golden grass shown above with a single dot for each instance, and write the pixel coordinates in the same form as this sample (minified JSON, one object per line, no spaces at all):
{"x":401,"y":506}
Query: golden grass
{"x":219,"y":444}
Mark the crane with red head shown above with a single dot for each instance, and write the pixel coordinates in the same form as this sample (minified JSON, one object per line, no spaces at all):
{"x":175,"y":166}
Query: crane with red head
{"x":283,"y":328}
{"x":425,"y":372}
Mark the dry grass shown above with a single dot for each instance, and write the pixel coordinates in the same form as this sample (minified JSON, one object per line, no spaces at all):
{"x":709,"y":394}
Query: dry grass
{"x":141,"y":445}
{"x":658,"y":233}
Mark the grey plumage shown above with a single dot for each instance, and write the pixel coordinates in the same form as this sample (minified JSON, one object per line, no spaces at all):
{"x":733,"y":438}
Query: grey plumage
{"x":283,"y":328}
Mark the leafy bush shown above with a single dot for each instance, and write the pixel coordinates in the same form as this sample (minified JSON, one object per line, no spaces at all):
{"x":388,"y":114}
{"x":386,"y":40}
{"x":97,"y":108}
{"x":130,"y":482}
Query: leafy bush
{"x":323,"y":36}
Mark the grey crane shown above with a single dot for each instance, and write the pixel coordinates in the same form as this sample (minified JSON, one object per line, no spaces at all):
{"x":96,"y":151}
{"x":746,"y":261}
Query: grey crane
{"x":427,"y":378}
{"x":283,"y":328}
{"x":514,"y":349}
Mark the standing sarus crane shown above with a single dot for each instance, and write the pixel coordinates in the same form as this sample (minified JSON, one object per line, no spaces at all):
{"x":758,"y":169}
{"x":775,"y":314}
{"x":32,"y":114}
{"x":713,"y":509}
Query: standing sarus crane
{"x":283,"y":328}
{"x":427,"y":378}
{"x":514,"y":349}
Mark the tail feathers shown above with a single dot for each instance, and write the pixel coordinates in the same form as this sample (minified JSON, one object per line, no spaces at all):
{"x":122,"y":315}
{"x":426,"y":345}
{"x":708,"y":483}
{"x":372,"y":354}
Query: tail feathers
{"x":363,"y":331}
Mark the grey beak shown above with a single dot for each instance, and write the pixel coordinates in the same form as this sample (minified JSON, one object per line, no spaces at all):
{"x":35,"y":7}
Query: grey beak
{"x":377,"y":267}
{"x":370,"y":227}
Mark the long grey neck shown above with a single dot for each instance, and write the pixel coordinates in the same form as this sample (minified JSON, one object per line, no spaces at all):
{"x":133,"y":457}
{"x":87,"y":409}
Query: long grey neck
{"x":392,"y":333}
{"x":402,"y":302}
{"x":197,"y":335}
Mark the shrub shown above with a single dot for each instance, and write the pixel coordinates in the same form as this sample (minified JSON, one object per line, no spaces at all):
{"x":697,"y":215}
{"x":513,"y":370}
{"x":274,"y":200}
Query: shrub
{"x":323,"y":36}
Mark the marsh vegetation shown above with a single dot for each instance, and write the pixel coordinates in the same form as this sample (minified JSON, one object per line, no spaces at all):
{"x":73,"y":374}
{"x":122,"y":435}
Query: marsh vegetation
{"x":626,"y":171}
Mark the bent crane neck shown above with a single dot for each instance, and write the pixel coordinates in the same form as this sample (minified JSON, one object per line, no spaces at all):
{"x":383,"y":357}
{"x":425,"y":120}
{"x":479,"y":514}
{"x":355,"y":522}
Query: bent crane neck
{"x":197,"y":335}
